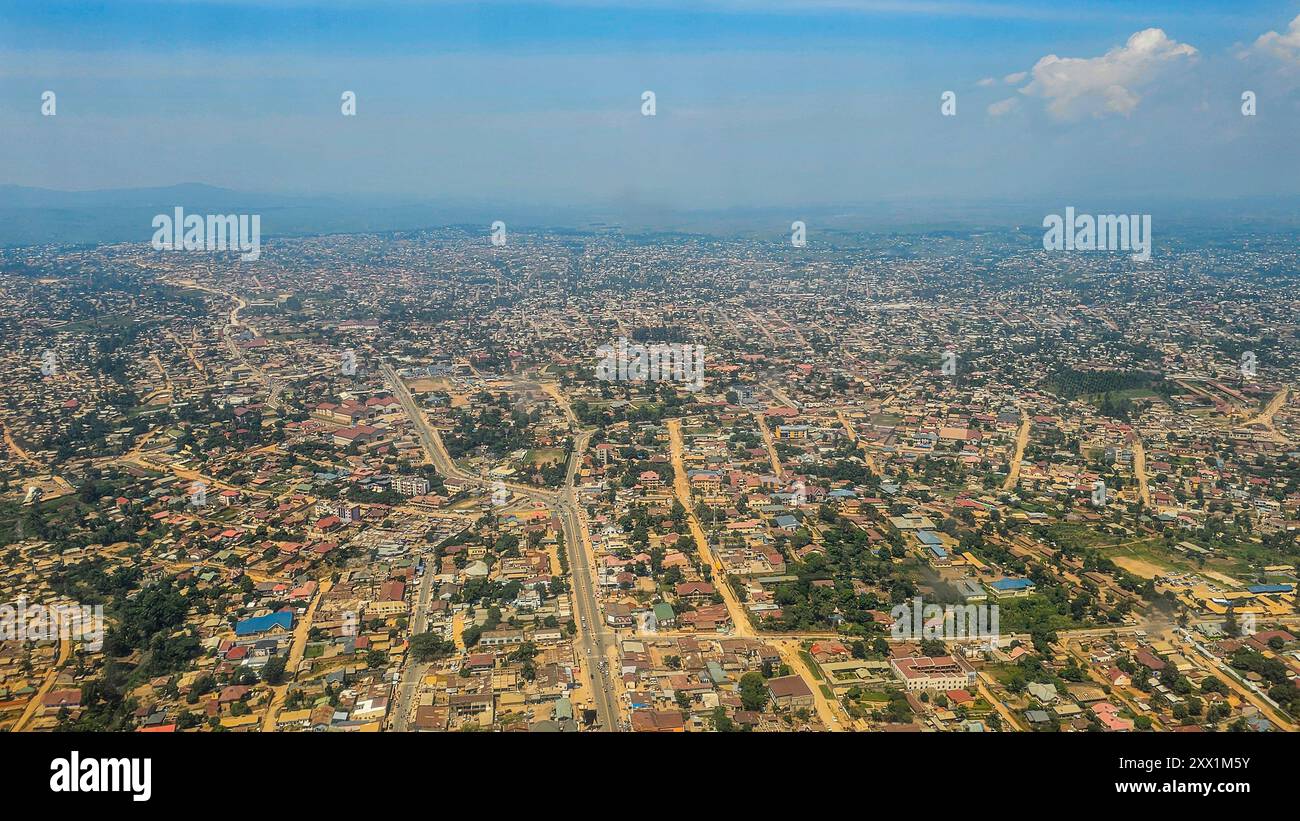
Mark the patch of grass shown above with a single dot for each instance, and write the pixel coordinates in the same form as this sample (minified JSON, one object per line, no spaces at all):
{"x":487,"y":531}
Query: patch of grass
{"x":544,"y":456}
{"x":812,"y":665}
{"x":1001,"y":673}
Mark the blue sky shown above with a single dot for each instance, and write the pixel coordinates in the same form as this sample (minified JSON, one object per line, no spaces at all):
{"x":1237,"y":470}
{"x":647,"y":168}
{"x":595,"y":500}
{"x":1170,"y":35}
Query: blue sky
{"x":760,"y":102}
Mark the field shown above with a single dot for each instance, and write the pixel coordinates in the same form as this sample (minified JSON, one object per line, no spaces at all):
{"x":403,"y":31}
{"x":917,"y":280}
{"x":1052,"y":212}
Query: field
{"x":418,"y":386}
{"x":544,"y":456}
{"x":1149,"y":558}
{"x":1139,"y":567}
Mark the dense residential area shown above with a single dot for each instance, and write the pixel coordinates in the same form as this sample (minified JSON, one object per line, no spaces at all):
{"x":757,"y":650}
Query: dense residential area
{"x":605,"y":482}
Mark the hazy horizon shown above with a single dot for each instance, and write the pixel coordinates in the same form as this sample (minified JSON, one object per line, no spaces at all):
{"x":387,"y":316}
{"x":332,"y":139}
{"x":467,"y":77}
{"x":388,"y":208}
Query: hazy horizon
{"x":37,"y":216}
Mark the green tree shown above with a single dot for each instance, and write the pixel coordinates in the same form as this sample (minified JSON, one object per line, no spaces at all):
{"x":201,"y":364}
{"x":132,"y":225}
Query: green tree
{"x":428,"y":646}
{"x":753,"y":691}
{"x":273,"y":672}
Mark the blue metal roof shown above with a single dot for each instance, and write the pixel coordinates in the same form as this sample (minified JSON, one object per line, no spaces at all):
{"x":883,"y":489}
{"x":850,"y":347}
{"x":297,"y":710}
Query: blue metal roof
{"x":260,"y":624}
{"x":1011,"y":584}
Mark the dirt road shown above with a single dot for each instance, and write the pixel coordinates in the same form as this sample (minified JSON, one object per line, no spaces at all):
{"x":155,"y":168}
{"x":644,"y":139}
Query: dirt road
{"x":769,"y":443}
{"x":683,"y":490}
{"x":870,"y":459}
{"x":33,"y":706}
{"x":1022,"y":439}
{"x":833,"y":719}
{"x":1140,"y":469}
{"x":296,"y":652}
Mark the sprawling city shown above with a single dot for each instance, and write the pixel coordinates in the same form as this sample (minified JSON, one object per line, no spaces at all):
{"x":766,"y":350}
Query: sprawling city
{"x":374,"y":482}
{"x":750,"y":369}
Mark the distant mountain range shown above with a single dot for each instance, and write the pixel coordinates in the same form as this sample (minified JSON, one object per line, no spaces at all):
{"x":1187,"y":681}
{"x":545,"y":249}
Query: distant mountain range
{"x":38,"y":216}
{"x":17,"y":196}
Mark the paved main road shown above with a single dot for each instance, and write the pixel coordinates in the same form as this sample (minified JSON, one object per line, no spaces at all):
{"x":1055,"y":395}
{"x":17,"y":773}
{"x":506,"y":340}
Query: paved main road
{"x":594,"y":642}
{"x":413,"y":672}
{"x":273,"y":386}
{"x":437,"y":452}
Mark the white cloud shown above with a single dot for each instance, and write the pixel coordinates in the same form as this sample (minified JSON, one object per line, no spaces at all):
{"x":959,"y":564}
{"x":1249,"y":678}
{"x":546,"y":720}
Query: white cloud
{"x":1282,"y":46}
{"x":986,"y":82}
{"x":1099,"y":86}
{"x":1017,"y":77}
{"x":1003,"y":107}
